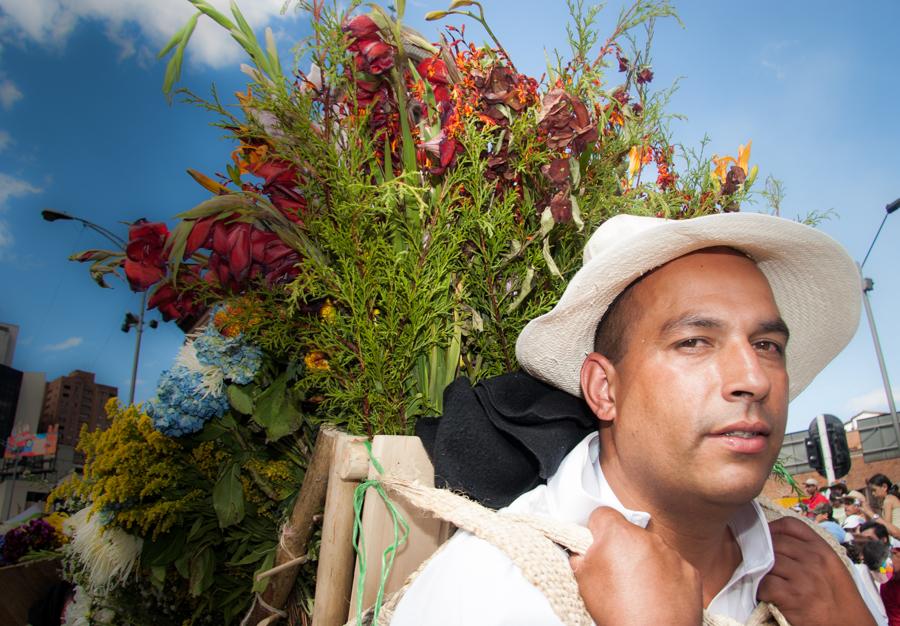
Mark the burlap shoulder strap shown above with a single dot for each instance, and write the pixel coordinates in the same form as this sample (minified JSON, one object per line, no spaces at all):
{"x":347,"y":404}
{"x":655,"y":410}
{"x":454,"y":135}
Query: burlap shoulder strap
{"x":532,"y":543}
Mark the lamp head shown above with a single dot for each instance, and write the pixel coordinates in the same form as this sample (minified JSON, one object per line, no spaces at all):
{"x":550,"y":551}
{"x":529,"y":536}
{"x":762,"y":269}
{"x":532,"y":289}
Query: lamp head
{"x":51,"y":216}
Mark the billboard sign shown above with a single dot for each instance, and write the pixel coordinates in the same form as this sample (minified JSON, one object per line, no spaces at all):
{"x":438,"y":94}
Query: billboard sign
{"x":27,"y":444}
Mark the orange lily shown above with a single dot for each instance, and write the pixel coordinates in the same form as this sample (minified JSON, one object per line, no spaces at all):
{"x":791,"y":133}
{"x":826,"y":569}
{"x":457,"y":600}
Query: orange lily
{"x":720,"y":170}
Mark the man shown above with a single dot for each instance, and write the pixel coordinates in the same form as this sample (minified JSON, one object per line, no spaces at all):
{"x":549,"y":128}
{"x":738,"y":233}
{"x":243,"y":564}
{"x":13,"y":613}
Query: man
{"x":856,"y":515}
{"x":675,"y":333}
{"x":823,"y":517}
{"x":813,"y":497}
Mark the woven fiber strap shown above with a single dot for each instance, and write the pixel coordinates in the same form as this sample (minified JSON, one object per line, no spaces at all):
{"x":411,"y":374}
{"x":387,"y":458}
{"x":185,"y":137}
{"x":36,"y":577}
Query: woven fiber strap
{"x":532,"y":543}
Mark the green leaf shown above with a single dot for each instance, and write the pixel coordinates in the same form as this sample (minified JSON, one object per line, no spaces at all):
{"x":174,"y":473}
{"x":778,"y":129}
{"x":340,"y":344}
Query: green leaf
{"x":260,"y":585}
{"x":202,"y":567}
{"x":272,"y":51}
{"x":551,"y":264}
{"x":576,"y":213}
{"x":275,"y":412}
{"x":218,"y":204}
{"x":163,"y":550}
{"x":240,"y":400}
{"x":547,"y":222}
{"x":174,"y":41}
{"x":524,"y":290}
{"x":209,"y":10}
{"x":228,"y":497}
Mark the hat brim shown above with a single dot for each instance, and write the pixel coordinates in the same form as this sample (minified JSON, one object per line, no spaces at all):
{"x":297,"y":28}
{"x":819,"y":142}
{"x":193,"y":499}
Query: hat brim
{"x":815,"y":283}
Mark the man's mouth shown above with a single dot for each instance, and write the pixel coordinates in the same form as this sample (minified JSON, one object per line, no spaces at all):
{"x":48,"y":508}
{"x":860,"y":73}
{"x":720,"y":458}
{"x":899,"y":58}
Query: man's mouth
{"x":746,"y":437}
{"x":744,"y":434}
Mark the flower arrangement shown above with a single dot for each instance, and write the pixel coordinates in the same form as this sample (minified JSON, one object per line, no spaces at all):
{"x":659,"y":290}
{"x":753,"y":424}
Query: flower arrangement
{"x":392,"y":215}
{"x":37,"y":538}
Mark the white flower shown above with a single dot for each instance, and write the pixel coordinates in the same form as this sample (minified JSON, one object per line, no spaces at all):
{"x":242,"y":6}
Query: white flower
{"x":108,"y":554}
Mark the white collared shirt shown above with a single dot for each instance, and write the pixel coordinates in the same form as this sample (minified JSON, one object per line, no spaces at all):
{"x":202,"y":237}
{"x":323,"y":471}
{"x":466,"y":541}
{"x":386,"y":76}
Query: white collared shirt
{"x":471,"y":582}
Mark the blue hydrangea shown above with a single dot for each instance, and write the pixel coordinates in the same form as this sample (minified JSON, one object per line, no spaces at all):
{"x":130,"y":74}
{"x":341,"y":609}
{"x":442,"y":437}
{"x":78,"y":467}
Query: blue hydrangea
{"x":181,"y":406}
{"x":238,"y":360}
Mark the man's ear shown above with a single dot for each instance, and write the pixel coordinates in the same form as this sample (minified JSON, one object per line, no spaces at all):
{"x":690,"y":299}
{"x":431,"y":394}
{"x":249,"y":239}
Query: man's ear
{"x":598,"y":377}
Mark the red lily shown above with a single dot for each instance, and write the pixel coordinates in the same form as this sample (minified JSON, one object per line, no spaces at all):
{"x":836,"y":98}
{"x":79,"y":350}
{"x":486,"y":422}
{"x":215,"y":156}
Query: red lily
{"x":145,"y":258}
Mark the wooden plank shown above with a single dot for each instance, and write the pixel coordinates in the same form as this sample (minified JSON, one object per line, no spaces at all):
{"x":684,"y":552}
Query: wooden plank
{"x":298,"y":530}
{"x":403,"y":457}
{"x":336,"y":557}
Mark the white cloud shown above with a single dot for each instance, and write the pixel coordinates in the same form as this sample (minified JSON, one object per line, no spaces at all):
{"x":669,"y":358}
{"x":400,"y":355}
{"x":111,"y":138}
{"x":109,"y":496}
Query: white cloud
{"x":71,"y":342}
{"x":9,"y":93}
{"x":875,"y":400}
{"x":134,"y":25}
{"x":5,"y":140}
{"x":773,"y":57}
{"x":11,"y":187}
{"x":6,"y":239}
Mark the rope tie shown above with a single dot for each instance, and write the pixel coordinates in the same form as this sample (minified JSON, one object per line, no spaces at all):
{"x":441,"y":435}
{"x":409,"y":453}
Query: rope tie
{"x":401,"y":533}
{"x":269,"y":608}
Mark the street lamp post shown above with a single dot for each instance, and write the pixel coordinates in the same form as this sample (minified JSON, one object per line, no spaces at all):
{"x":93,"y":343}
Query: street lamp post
{"x":867,"y":286}
{"x":51,"y":216}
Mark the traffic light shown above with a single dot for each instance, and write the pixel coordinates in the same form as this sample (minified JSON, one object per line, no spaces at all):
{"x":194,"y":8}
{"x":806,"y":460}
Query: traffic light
{"x":836,"y":437}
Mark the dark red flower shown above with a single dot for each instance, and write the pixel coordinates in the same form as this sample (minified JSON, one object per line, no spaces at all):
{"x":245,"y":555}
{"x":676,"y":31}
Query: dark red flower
{"x":434,"y":70}
{"x":566,"y":122}
{"x":200,"y":235}
{"x":624,"y":64}
{"x":644,"y":76}
{"x":145,"y":254}
{"x":561,"y":206}
{"x":557,"y":171}
{"x":179,"y":301}
{"x":361,"y":27}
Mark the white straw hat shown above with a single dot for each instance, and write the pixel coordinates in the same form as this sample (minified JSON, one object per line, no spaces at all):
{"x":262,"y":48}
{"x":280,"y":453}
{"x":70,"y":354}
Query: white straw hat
{"x":815,"y":282}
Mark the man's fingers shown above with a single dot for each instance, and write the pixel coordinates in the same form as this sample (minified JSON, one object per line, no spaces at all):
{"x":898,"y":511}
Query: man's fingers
{"x":793,"y":528}
{"x":773,"y":588}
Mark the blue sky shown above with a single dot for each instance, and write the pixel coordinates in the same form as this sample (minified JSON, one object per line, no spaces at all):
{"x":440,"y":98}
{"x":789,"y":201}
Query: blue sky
{"x":85,"y":129}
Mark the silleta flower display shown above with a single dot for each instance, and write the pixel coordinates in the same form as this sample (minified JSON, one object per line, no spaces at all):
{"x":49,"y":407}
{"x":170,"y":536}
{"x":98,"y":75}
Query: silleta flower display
{"x":394,"y":209}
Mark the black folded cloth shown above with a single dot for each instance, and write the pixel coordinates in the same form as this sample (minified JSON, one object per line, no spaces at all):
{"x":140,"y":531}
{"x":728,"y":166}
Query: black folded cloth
{"x":502,"y":437}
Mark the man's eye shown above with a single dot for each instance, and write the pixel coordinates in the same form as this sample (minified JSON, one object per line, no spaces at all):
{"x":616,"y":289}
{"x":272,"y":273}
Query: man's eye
{"x":693,"y":342}
{"x":769,"y":346}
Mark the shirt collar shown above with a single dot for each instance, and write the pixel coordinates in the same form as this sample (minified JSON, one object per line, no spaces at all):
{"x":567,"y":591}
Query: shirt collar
{"x":579,"y":486}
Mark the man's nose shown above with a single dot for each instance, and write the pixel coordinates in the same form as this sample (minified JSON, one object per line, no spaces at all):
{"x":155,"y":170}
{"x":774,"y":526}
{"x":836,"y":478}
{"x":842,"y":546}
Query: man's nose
{"x":744,"y":376}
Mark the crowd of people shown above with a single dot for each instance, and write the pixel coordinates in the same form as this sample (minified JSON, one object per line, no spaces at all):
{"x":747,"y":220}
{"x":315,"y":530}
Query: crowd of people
{"x":867,"y":524}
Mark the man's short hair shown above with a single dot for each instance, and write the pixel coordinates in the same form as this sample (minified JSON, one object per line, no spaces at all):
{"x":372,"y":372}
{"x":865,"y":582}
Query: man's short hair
{"x":610,"y":338}
{"x":823,"y":509}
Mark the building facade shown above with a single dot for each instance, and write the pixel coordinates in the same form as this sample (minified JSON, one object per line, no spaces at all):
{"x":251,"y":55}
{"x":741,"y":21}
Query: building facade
{"x":73,"y":400}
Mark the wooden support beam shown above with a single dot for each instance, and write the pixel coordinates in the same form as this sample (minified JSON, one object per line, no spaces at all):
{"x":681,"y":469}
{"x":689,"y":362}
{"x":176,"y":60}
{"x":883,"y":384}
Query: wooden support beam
{"x":299,"y":528}
{"x":336,"y":557}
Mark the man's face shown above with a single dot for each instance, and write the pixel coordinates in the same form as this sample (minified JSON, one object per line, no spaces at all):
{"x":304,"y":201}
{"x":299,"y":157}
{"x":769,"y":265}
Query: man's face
{"x":810,"y":490}
{"x":701,"y":393}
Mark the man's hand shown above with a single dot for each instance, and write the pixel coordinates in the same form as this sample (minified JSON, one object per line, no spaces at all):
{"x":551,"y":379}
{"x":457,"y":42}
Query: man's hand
{"x":630,"y":576}
{"x":809,"y":583}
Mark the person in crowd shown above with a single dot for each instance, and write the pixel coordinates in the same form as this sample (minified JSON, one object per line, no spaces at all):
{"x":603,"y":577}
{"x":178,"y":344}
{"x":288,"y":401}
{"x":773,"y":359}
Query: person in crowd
{"x":855,"y":515}
{"x":876,"y":569}
{"x":836,"y":493}
{"x":890,"y":591}
{"x":872,"y":531}
{"x":885,"y":493}
{"x":824,"y":518}
{"x":813,"y":497}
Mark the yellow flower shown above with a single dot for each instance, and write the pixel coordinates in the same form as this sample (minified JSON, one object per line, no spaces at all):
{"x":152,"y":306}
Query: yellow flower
{"x":328,"y":312}
{"x":637,"y":157}
{"x":743,"y":159}
{"x":720,"y":171}
{"x":316,"y":361}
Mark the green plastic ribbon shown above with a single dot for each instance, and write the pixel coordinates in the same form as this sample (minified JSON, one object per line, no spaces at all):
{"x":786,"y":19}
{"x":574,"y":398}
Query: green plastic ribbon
{"x":401,"y":534}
